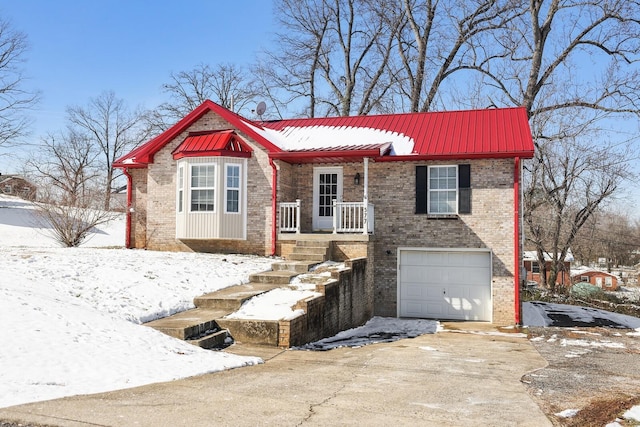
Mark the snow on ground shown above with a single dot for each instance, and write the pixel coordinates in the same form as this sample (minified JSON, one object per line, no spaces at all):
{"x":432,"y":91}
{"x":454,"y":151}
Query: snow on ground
{"x":71,"y":316}
{"x":273,"y":305}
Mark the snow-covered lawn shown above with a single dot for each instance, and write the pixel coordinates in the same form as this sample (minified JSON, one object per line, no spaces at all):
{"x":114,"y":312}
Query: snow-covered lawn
{"x":70,"y":317}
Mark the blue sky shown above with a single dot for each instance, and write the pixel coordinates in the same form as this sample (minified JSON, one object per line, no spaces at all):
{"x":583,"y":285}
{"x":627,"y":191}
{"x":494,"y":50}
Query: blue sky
{"x":79,"y":49}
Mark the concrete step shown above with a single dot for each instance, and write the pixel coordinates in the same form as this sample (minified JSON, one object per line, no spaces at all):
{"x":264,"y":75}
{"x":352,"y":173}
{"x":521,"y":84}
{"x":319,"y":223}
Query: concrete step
{"x":281,"y":277}
{"x":216,"y":339}
{"x":189,"y":324}
{"x":230,"y":299}
{"x":310,"y":250}
{"x":299,"y":267}
{"x":316,"y":258}
{"x":262,"y":332}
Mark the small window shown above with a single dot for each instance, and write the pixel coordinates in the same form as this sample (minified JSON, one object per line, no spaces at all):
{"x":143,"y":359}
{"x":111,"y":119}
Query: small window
{"x":232,"y":188}
{"x":203,"y":188}
{"x":608,"y":281}
{"x":584,"y":279}
{"x":180,"y":201}
{"x":535,"y":267}
{"x":7,"y":189}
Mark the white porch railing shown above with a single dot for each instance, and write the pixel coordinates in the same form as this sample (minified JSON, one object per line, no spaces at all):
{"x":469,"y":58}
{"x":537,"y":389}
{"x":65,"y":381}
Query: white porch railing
{"x":349,"y":217}
{"x":290,"y":216}
{"x":352,"y":217}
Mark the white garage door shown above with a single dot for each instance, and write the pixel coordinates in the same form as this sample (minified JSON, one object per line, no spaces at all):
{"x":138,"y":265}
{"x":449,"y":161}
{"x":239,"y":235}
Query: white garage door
{"x":444,"y":284}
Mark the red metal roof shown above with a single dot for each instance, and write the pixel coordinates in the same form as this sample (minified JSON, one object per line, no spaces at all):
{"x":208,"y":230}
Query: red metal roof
{"x":216,"y":143}
{"x":499,"y":132}
{"x":492,"y":133}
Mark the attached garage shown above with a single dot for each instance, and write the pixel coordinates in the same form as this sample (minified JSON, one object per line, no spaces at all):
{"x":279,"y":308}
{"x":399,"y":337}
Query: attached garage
{"x":446,"y":284}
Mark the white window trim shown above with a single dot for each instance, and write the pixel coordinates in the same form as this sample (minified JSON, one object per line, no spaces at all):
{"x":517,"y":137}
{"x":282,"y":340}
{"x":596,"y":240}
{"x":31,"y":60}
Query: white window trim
{"x":429,"y":190}
{"x":192,"y":188}
{"x":180,"y":190}
{"x":238,"y":188}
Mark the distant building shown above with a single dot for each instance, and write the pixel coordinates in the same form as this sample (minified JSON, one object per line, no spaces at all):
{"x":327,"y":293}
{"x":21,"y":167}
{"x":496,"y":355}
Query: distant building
{"x":15,"y":185}
{"x":532,"y":265}
{"x":602,"y":279}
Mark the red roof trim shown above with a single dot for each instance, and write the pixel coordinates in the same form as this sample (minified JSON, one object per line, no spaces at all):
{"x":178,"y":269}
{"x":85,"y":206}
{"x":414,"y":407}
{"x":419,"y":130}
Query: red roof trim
{"x":143,"y":155}
{"x":216,"y":153}
{"x":455,"y":156}
{"x":343,"y":154}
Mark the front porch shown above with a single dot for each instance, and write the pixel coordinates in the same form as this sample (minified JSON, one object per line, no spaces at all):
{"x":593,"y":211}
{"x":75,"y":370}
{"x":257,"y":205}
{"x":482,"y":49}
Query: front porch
{"x":344,"y":217}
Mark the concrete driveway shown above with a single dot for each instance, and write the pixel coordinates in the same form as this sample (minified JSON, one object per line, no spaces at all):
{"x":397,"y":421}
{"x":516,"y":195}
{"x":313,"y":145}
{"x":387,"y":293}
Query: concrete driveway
{"x":464,"y":377}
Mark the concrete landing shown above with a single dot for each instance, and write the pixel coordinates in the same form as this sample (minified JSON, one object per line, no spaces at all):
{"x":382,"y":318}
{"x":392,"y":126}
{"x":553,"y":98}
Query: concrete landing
{"x":231,"y":298}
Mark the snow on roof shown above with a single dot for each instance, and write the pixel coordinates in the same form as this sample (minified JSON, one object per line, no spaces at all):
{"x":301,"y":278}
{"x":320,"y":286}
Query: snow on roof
{"x":315,"y":137}
{"x":533,"y":256}
{"x":588,"y":270}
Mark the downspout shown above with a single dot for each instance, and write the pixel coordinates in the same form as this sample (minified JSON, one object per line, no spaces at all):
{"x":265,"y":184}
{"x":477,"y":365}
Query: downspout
{"x":127,"y":233}
{"x":274,"y":205}
{"x":516,"y":246}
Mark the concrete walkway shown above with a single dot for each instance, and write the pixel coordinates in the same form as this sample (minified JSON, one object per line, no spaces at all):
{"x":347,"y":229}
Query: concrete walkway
{"x":452,"y":378}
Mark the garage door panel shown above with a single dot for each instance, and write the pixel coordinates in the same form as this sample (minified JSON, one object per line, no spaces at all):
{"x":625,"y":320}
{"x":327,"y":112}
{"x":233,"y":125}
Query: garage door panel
{"x":445,"y":284}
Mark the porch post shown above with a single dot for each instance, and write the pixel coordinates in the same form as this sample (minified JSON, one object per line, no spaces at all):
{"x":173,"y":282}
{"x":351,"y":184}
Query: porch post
{"x":335,"y":216}
{"x":298,"y":216}
{"x":365,"y":198}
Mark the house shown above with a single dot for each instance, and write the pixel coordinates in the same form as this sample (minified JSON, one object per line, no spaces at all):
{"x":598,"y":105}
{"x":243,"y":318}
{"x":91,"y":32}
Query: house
{"x":532,"y":267}
{"x":602,"y":279}
{"x":432,"y":200}
{"x":15,"y":185}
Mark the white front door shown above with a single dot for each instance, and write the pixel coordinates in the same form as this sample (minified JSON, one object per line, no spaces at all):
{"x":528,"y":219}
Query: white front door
{"x":327,"y":187}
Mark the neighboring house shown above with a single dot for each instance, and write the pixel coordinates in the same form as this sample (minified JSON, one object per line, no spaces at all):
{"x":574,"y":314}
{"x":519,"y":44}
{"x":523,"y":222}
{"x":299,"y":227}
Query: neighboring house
{"x":15,"y":185}
{"x":431,"y":199}
{"x":599,"y":278}
{"x":118,"y":199}
{"x":532,"y":266}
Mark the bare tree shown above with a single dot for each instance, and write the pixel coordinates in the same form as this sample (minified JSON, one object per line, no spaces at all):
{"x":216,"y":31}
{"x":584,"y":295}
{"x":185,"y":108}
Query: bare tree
{"x":567,"y":182}
{"x":572,"y":65}
{"x":610,"y":234}
{"x":65,"y":165}
{"x":334,"y":54}
{"x":71,"y":225}
{"x":14,"y":99}
{"x":442,"y":39}
{"x":225,"y":84}
{"x":108,"y":123}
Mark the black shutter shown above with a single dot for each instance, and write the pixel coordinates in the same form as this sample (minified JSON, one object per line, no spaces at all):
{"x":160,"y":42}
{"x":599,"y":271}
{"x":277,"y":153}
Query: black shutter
{"x":421,"y":189}
{"x":464,"y":189}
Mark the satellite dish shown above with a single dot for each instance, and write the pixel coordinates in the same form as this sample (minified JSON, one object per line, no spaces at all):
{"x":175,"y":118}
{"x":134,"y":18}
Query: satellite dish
{"x":261,"y":108}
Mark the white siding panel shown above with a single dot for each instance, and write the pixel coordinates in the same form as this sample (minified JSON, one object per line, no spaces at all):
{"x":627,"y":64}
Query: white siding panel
{"x":216,"y":224}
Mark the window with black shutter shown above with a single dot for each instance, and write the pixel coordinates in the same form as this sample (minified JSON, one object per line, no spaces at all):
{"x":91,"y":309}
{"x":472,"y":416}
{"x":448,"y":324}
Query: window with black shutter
{"x":439,"y":187}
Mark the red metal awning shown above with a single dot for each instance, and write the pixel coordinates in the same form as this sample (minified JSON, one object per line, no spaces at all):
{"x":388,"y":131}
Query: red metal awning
{"x":217,"y":143}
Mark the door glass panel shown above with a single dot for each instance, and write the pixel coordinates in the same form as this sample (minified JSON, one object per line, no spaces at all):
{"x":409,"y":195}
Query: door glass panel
{"x":328,"y":191}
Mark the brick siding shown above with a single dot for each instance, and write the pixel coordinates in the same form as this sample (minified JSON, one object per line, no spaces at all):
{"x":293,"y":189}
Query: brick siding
{"x":391,"y":190}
